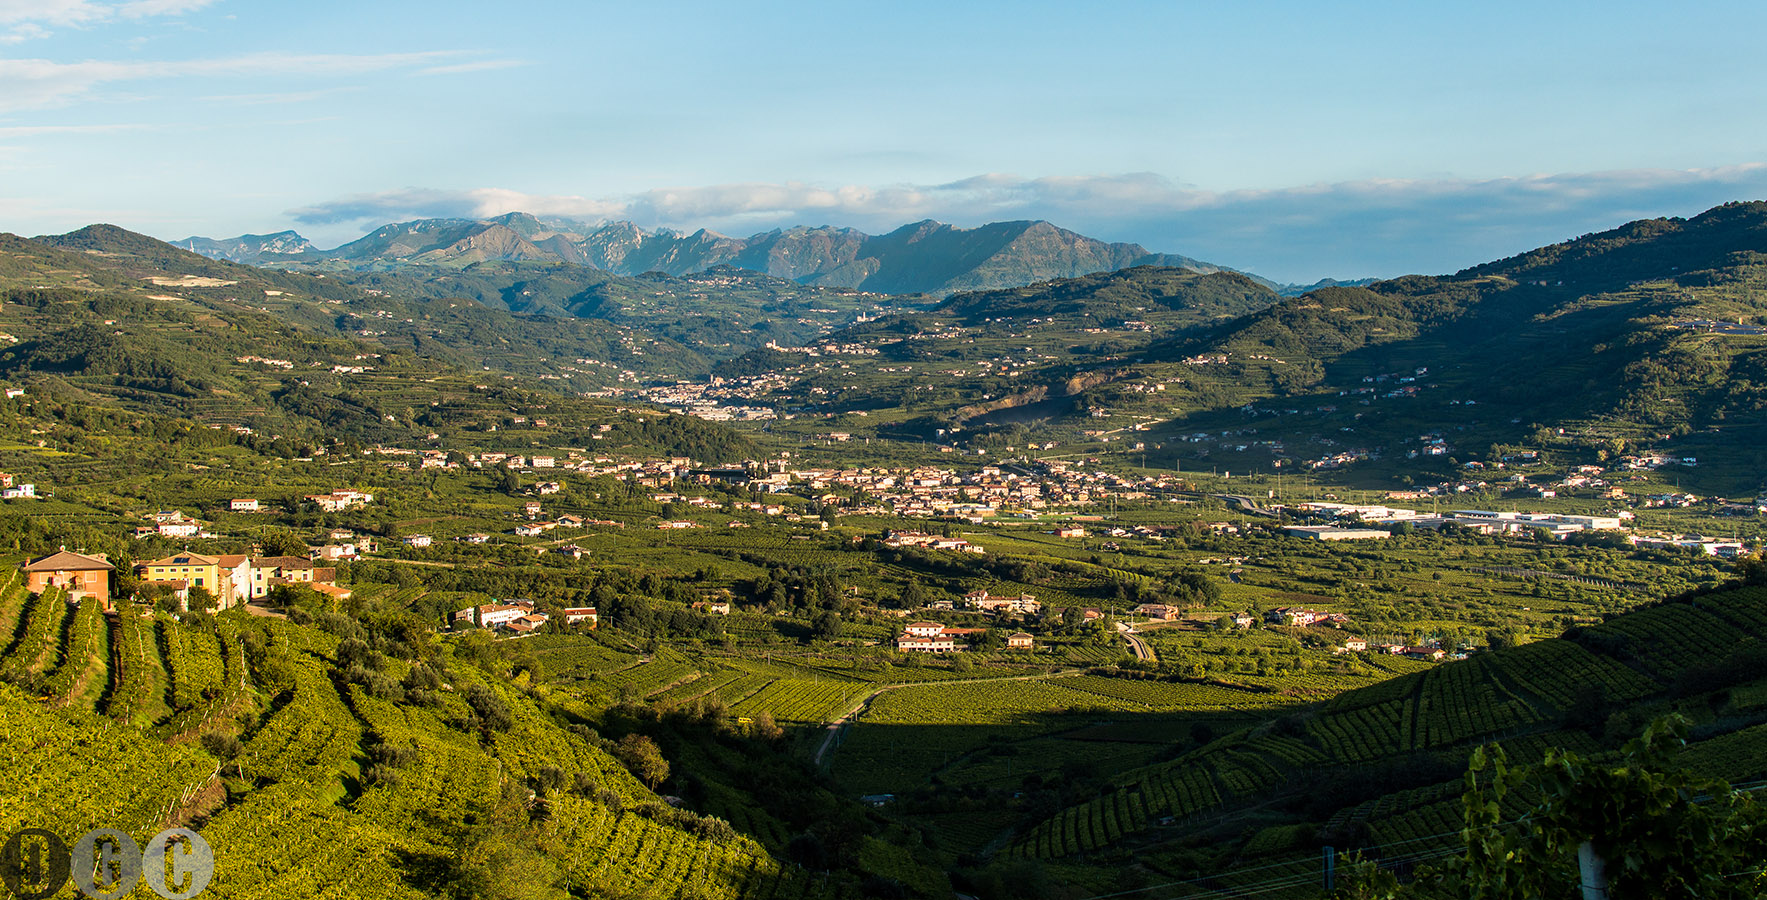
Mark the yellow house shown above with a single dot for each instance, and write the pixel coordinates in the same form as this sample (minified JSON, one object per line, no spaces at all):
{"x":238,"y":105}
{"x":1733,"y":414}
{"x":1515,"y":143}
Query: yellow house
{"x":193,"y":569}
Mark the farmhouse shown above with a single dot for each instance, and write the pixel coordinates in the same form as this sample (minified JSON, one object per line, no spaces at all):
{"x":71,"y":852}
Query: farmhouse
{"x":1300,"y":618}
{"x":175,"y":524}
{"x":418,"y":540}
{"x":340,"y":500}
{"x":1020,"y":641}
{"x":243,"y":505}
{"x":334,"y":552}
{"x":80,"y":575}
{"x":1159,"y":611}
{"x":491,"y":615}
{"x":897,"y":539}
{"x":1021,"y":603}
{"x":185,"y":570}
{"x":575,"y":614}
{"x":928,"y":637}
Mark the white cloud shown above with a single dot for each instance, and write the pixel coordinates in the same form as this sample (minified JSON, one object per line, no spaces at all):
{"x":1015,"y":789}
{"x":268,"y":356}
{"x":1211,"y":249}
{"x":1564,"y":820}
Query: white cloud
{"x":38,"y":83}
{"x":1300,"y":233}
{"x":483,"y":65}
{"x":54,"y":12}
{"x":27,"y":31}
{"x":8,"y":131}
{"x":141,"y":9}
{"x":28,"y":17}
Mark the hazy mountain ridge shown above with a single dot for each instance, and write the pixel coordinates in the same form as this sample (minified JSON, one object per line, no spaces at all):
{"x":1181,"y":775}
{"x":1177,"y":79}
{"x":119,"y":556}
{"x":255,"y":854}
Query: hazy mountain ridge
{"x":252,"y":249}
{"x":921,"y":257}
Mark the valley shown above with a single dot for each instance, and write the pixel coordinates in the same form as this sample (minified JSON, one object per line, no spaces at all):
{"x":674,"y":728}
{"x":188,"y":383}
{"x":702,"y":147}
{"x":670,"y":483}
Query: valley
{"x":517,"y":577}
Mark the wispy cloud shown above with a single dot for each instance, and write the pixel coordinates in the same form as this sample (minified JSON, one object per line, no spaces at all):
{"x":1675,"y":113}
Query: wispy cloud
{"x":279,"y":97}
{"x":141,"y":9}
{"x":27,"y":18}
{"x":483,"y":65}
{"x":54,"y":12}
{"x":9,"y":131}
{"x":1346,"y":229}
{"x":28,"y":31}
{"x":38,"y":83}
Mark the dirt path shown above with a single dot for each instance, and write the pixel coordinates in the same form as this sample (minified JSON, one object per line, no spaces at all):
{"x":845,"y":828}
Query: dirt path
{"x":1142,"y":650}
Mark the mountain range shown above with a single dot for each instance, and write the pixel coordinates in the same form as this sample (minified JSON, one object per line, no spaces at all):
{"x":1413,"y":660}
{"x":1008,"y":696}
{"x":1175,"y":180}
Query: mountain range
{"x":923,"y":257}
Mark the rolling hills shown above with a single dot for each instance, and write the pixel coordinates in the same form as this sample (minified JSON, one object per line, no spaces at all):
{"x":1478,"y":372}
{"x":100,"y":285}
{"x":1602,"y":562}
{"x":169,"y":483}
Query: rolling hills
{"x":1649,"y":335}
{"x":107,"y":317}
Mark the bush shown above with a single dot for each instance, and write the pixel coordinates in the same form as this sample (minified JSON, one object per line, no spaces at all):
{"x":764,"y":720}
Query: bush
{"x":221,"y":744}
{"x":493,"y":713}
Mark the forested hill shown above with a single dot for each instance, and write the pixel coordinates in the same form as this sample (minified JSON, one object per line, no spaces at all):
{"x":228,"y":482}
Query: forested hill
{"x":1110,"y":298}
{"x":1606,"y":326}
{"x":104,"y":316}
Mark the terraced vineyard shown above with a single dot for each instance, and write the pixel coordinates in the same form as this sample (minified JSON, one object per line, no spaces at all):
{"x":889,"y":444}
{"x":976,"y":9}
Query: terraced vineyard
{"x":1520,"y":697}
{"x":335,"y":789}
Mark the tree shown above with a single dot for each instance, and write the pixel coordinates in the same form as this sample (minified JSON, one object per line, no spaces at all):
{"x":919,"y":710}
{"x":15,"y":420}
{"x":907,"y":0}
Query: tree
{"x":282,"y":543}
{"x":199,"y":599}
{"x":764,"y":728}
{"x":644,"y":759}
{"x":826,"y":626}
{"x":1651,"y":827}
{"x":511,"y":483}
{"x":913,"y":595}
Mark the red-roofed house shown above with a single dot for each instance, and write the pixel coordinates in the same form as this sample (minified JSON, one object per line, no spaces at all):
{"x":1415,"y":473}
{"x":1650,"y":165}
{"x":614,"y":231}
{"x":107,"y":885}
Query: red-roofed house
{"x":78,"y":574}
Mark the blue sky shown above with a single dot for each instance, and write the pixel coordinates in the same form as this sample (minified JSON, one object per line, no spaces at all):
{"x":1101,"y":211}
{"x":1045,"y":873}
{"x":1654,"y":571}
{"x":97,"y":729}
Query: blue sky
{"x":1297,"y":140}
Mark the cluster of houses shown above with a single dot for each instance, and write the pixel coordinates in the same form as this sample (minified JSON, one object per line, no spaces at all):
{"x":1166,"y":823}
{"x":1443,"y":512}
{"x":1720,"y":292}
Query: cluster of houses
{"x":1301,"y":617}
{"x":519,"y":616}
{"x":172,"y":523}
{"x":340,"y":500}
{"x":934,"y":637}
{"x":1431,"y":651}
{"x":238,"y":578}
{"x":899,"y":539}
{"x":231,"y":579}
{"x":13,"y":489}
{"x":1022,"y":604}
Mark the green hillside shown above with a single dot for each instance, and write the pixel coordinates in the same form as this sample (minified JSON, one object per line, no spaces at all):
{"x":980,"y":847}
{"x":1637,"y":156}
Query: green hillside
{"x":318,"y":767}
{"x":122,"y":319}
{"x":1379,"y":768}
{"x":1645,"y":338}
{"x":103,"y":258}
{"x":720,"y":313}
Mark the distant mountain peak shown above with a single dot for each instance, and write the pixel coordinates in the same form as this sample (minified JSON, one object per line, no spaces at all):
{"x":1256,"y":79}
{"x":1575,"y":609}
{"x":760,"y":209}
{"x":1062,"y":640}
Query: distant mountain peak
{"x":928,"y":256}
